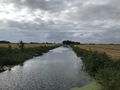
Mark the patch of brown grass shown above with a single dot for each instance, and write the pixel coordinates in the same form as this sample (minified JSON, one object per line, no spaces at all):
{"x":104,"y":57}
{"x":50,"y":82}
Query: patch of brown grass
{"x":112,"y":50}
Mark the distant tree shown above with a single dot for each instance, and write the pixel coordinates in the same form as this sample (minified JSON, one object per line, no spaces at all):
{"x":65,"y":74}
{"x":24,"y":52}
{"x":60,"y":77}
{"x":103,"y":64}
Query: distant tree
{"x":34,"y":43}
{"x":68,"y":42}
{"x":4,"y":41}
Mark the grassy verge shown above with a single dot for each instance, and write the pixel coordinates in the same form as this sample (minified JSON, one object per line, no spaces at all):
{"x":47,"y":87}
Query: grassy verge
{"x":101,"y":67}
{"x":92,"y":86}
{"x":13,"y":56}
{"x":112,"y":50}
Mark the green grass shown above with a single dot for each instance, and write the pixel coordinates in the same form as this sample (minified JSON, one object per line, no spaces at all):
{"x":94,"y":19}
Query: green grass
{"x":14,"y":56}
{"x":92,"y":86}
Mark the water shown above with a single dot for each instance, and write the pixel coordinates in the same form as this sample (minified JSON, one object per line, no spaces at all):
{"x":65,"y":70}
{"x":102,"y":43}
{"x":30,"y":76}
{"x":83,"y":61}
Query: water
{"x":59,"y":69}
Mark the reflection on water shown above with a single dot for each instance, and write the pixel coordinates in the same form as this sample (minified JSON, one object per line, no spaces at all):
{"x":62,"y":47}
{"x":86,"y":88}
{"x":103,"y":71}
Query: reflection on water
{"x":59,"y":69}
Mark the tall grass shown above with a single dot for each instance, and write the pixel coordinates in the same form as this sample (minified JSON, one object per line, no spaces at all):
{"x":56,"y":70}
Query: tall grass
{"x":101,"y":67}
{"x":14,"y":56}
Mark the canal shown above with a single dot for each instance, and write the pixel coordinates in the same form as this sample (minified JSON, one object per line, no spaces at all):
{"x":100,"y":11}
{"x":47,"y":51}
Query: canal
{"x":59,"y":69}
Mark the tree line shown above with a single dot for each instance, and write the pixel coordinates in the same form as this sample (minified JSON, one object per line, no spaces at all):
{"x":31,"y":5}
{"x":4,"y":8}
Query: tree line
{"x":68,"y":42}
{"x":4,"y":41}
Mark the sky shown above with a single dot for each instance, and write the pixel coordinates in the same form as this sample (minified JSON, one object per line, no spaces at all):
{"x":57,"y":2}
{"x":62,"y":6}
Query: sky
{"x":86,"y":21}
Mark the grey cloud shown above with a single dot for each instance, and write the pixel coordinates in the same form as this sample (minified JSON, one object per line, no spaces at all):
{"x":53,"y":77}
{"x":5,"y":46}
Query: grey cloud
{"x":47,"y":5}
{"x":95,"y":23}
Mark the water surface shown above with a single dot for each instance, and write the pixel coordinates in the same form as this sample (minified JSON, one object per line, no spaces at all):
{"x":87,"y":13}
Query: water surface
{"x":59,"y":69}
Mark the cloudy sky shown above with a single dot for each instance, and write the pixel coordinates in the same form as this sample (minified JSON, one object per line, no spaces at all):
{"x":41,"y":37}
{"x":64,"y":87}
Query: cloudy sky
{"x":95,"y":21}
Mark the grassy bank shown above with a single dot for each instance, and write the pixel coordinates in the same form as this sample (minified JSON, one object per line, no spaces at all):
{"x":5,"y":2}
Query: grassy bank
{"x":13,"y":56}
{"x":26,"y":45}
{"x":101,"y":67}
{"x":92,"y":86}
{"x":112,"y":50}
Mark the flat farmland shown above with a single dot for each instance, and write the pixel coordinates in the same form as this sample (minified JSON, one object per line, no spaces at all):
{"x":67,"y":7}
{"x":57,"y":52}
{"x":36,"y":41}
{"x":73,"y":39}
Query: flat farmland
{"x":111,"y":50}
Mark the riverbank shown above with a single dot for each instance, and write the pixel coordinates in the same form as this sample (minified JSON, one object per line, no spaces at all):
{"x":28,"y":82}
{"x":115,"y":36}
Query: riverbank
{"x":101,"y":67}
{"x":92,"y":86}
{"x":12,"y":56}
{"x":111,"y":50}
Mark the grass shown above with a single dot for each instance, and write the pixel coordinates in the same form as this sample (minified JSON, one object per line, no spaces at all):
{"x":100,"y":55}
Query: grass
{"x":111,"y":50}
{"x":27,"y":45}
{"x":104,"y":69}
{"x":92,"y":86}
{"x":13,"y":55}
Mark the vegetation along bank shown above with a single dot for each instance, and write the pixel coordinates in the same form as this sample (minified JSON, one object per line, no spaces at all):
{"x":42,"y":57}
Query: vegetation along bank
{"x":101,"y":67}
{"x":10,"y":56}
